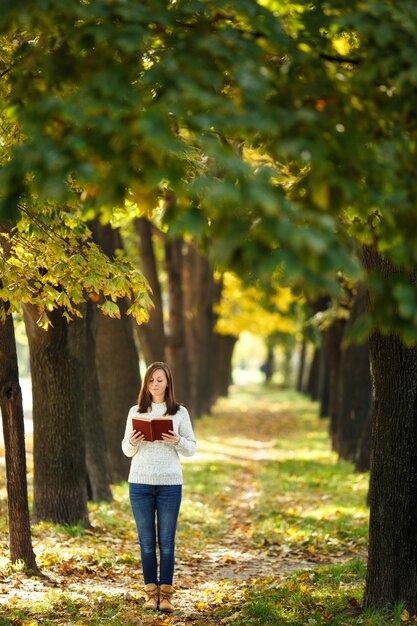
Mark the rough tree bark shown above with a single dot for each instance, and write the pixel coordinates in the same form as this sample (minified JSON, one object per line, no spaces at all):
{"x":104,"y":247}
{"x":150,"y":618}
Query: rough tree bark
{"x":354,"y":391}
{"x":189,"y":281}
{"x":176,"y":349}
{"x":97,"y":470}
{"x":313,"y":380}
{"x":117,"y":363}
{"x":199,"y":291}
{"x":57,"y":367}
{"x":152,"y":334}
{"x":206,"y":345}
{"x":20,"y":543}
{"x":392,"y":557}
{"x":222,"y":352}
{"x":363,"y":454}
{"x":301,"y":366}
{"x":222,"y":370}
{"x":332,"y":347}
{"x":323,"y":383}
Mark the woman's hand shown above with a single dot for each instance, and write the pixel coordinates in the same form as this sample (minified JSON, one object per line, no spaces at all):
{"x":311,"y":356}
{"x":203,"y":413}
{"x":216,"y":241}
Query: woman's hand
{"x":171,"y":438}
{"x":136,"y":437}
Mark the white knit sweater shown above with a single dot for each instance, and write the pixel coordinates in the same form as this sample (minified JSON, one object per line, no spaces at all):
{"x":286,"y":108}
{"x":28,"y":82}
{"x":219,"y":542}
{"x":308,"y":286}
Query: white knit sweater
{"x":158,"y":462}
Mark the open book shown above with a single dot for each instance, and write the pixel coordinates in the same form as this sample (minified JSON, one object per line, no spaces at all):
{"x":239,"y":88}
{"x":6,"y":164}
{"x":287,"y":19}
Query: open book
{"x":152,"y":427}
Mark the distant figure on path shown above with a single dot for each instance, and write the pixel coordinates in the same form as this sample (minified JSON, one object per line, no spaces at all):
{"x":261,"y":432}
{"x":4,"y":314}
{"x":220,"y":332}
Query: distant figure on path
{"x":155,"y":481}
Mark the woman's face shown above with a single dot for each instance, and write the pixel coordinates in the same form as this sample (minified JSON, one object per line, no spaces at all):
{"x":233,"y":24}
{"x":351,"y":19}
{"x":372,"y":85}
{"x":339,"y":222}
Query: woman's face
{"x":158,"y":382}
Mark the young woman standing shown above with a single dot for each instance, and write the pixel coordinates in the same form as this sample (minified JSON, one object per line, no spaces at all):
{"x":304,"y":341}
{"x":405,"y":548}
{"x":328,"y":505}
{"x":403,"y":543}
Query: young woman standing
{"x":155,"y":481}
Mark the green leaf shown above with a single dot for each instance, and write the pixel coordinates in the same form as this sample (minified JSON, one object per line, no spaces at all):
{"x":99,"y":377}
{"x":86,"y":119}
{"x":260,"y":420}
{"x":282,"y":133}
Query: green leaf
{"x":110,"y":308}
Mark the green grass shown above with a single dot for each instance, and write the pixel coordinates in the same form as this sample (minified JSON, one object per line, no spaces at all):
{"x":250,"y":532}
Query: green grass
{"x":328,"y":595}
{"x":313,"y":503}
{"x":202,"y":517}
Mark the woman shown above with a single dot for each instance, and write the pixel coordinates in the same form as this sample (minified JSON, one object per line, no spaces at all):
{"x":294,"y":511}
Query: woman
{"x":155,"y":481}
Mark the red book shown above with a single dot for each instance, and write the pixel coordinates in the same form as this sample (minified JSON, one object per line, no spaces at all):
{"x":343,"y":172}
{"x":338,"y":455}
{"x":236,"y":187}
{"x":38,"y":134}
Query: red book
{"x":152,"y":427}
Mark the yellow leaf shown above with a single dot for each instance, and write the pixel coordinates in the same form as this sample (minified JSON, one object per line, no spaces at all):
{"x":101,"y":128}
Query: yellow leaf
{"x":311,"y":549}
{"x":341,"y":45}
{"x":321,"y":195}
{"x":146,"y":199}
{"x":44,"y":322}
{"x":405,"y":616}
{"x":228,"y":558}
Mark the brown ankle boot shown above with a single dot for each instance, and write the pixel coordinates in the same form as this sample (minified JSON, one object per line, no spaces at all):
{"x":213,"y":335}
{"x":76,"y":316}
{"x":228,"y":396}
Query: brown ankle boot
{"x":165,"y":595}
{"x":152,"y":594}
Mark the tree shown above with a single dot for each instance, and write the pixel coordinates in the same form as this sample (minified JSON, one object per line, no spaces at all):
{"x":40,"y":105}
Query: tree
{"x":20,"y":542}
{"x":392,"y":570}
{"x":38,"y":260}
{"x":60,"y":478}
{"x":98,"y":474}
{"x":312,"y":387}
{"x":50,"y":265}
{"x":152,"y":334}
{"x":200,"y":292}
{"x":116,"y":363}
{"x":176,"y":349}
{"x":189,"y":290}
{"x":353,"y":393}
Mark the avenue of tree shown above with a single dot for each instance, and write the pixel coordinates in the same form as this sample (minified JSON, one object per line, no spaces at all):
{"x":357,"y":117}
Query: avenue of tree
{"x":274,"y":139}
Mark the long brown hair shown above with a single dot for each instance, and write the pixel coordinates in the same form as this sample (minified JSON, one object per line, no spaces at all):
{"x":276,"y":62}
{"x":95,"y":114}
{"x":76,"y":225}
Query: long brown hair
{"x":145,"y":398}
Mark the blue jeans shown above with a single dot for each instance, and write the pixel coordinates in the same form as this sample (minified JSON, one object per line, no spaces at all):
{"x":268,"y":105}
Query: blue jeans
{"x":155,"y":509}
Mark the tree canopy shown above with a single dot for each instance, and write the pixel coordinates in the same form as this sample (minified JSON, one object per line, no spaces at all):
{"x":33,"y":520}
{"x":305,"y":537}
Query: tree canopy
{"x":263,"y":313}
{"x":282,"y":132}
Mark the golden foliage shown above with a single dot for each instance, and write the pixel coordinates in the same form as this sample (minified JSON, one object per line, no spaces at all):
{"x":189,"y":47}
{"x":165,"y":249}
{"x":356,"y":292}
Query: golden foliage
{"x":252,"y":309}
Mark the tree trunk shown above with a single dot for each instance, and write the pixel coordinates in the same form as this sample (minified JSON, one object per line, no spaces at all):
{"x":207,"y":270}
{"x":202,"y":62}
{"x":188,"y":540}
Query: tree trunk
{"x":269,"y":365}
{"x":177,"y":357}
{"x":363,"y":453}
{"x":199,"y":291}
{"x":97,"y":471}
{"x":392,"y":558}
{"x":205,"y":321}
{"x":221,"y":352}
{"x":20,"y":544}
{"x":354,"y":394}
{"x":313,"y":382}
{"x":117,"y":363}
{"x":190,"y":283}
{"x":323,"y":383}
{"x":118,"y":374}
{"x":222,"y":368}
{"x":332,"y":349}
{"x":301,"y":366}
{"x":57,"y":367}
{"x":152,"y":334}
